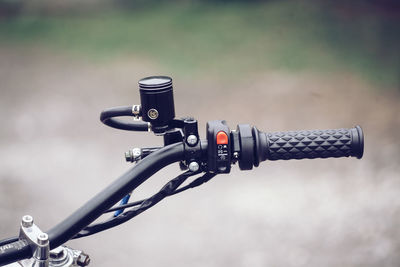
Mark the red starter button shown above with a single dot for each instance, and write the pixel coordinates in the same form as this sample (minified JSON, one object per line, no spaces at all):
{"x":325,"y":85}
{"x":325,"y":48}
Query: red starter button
{"x":222,"y":138}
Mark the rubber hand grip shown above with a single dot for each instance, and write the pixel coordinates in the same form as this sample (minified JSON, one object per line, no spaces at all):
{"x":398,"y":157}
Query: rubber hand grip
{"x":314,"y":144}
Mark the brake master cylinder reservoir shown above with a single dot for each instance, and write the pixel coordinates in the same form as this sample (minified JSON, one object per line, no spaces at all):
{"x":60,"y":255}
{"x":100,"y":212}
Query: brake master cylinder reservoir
{"x":157,"y":100}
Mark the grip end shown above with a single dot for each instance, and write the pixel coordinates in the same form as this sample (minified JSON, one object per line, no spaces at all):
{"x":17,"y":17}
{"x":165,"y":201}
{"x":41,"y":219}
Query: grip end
{"x":357,"y":142}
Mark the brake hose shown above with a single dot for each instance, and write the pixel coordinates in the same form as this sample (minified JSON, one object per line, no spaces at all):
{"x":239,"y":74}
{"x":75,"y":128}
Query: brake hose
{"x":107,"y":117}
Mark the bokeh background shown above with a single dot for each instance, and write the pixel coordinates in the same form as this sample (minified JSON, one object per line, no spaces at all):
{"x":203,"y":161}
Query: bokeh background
{"x":279,"y":65}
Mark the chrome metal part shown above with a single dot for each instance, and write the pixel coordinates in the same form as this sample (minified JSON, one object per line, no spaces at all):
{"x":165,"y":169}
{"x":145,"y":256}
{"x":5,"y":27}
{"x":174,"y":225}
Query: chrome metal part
{"x":42,"y":239}
{"x":133,"y":155}
{"x":62,"y":256}
{"x":191,"y":140}
{"x":136,"y":152}
{"x":82,"y":259}
{"x":38,"y":241}
{"x":27,"y":221}
{"x":128,"y":156}
{"x":136,"y":110}
{"x":152,"y":113}
{"x":235,"y":157}
{"x":194,"y":166}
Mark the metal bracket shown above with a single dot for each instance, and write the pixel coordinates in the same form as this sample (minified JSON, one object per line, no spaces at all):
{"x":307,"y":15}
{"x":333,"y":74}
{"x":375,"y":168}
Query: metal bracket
{"x":37,"y":240}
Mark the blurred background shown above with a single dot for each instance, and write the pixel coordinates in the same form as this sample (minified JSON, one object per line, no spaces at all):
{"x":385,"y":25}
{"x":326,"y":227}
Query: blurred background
{"x":279,"y":65}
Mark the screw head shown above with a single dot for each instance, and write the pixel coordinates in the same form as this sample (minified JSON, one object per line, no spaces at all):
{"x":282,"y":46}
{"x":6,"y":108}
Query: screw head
{"x":27,"y":221}
{"x":191,"y":140}
{"x":42,"y":239}
{"x":152,"y":113}
{"x":194,"y":166}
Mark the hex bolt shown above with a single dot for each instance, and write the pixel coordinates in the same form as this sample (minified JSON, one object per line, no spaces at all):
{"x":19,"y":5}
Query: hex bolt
{"x":83,"y":259}
{"x":128,"y":156}
{"x":191,"y":140}
{"x":27,"y":221}
{"x":133,"y":154}
{"x":42,"y":239}
{"x":194,"y":166}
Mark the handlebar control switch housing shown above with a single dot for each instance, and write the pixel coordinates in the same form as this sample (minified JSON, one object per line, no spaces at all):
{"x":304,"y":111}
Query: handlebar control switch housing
{"x":157,"y":102}
{"x":219,"y":147}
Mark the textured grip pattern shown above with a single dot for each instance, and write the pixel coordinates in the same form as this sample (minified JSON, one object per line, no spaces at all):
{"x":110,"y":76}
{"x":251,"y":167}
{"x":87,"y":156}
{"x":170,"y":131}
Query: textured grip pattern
{"x":309,"y":144}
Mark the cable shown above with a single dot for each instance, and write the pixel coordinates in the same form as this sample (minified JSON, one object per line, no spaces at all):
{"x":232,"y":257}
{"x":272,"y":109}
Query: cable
{"x":199,"y":181}
{"x":166,"y":190}
{"x":113,"y":193}
{"x":169,"y":187}
{"x":128,"y":205}
{"x":123,"y":202}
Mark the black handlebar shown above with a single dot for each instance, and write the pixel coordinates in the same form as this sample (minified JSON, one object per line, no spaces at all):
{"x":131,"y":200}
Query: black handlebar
{"x":95,"y":207}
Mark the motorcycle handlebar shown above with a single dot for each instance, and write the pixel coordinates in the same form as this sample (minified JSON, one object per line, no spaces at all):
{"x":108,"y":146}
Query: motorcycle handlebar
{"x":254,"y":146}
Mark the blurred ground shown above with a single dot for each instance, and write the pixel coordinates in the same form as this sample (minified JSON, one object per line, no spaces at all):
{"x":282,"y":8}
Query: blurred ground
{"x":55,"y":154}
